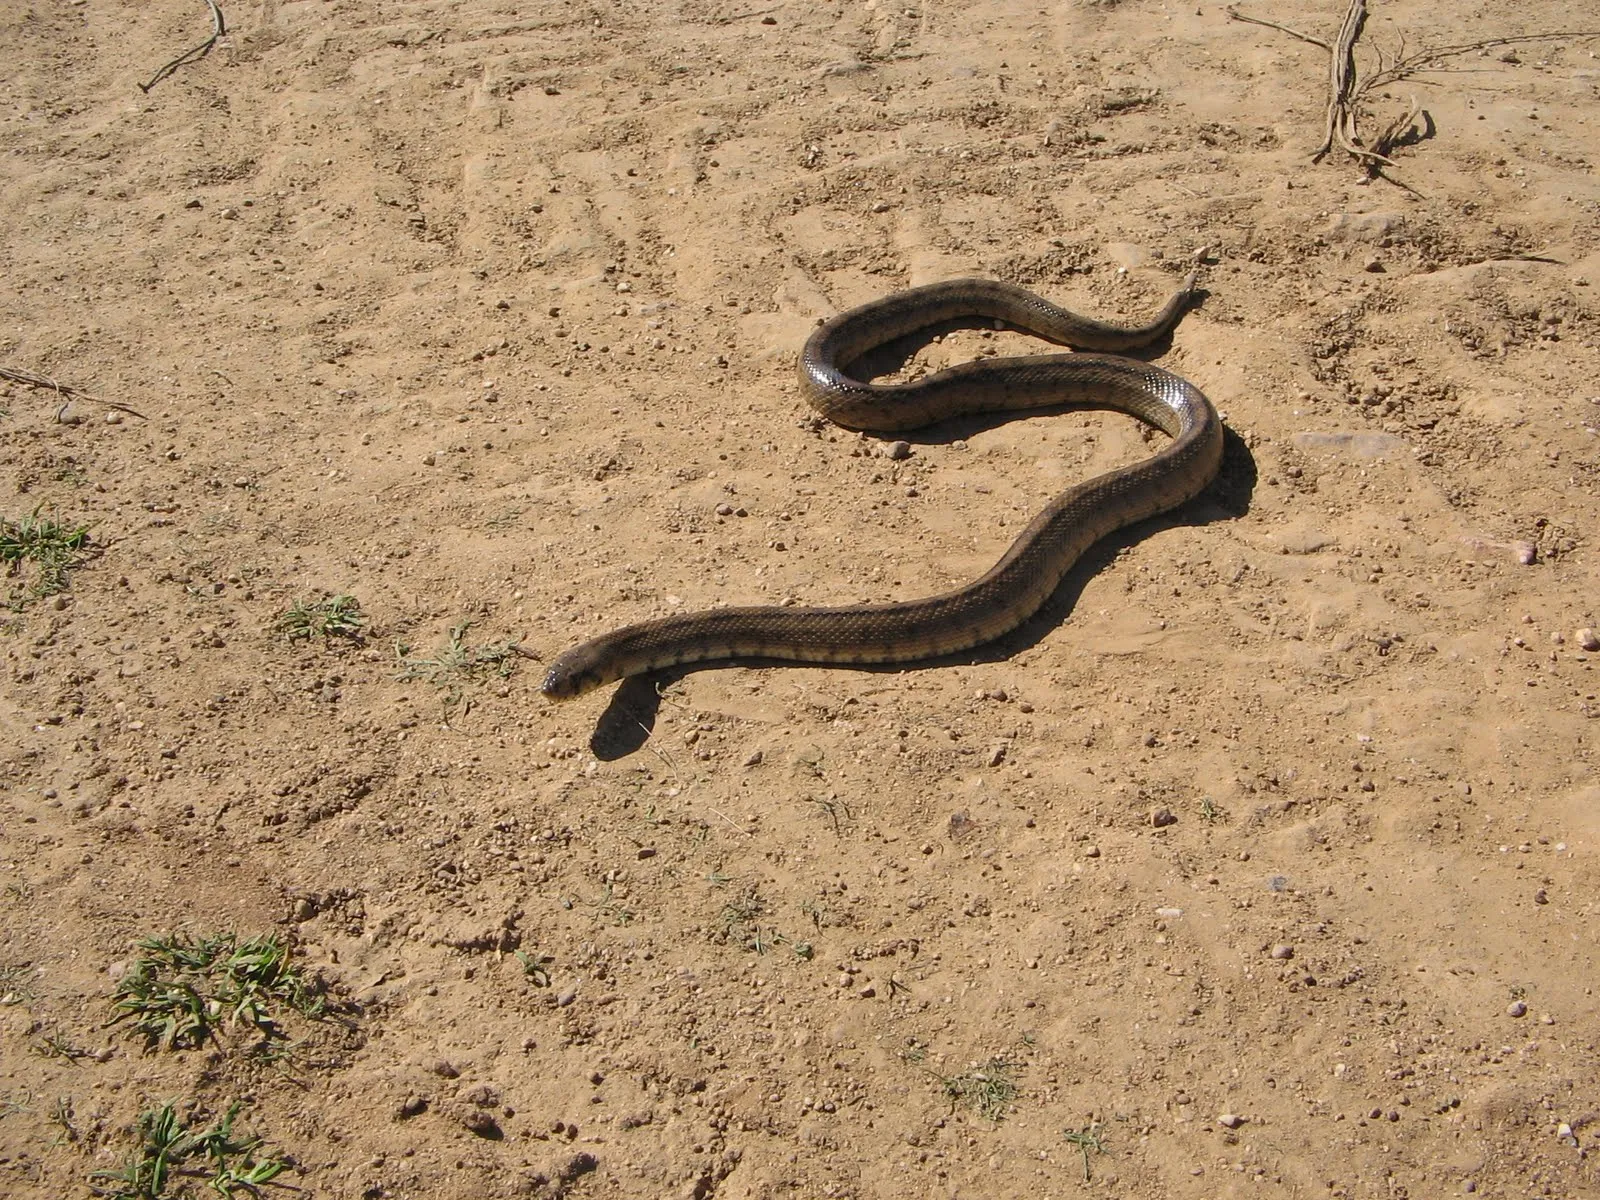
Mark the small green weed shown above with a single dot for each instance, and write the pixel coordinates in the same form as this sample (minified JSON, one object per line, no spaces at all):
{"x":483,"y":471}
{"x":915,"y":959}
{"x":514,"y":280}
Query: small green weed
{"x":331,"y":617}
{"x":182,"y":987}
{"x":1209,"y":811}
{"x":613,"y":909}
{"x":837,"y":811}
{"x":169,"y":1154}
{"x":40,"y":551}
{"x":1086,"y":1139}
{"x":62,"y":1114}
{"x":740,"y":923}
{"x":58,"y":1045}
{"x":988,"y":1089}
{"x":456,"y":660}
{"x":535,"y":967}
{"x":17,"y":984}
{"x":15,"y":1102}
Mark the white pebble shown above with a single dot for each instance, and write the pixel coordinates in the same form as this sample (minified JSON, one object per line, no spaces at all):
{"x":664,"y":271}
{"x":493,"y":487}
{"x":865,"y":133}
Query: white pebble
{"x":1516,"y":1009}
{"x":1230,"y":1120}
{"x":1587,"y":638}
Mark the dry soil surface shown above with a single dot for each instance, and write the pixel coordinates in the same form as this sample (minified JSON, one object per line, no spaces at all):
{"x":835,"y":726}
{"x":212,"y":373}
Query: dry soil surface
{"x":1266,"y":858}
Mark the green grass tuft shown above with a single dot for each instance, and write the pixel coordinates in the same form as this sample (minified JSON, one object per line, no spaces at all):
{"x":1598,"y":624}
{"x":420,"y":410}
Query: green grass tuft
{"x":988,"y":1090}
{"x":40,"y":551}
{"x":181,"y":988}
{"x":169,"y":1154}
{"x":334,"y":616}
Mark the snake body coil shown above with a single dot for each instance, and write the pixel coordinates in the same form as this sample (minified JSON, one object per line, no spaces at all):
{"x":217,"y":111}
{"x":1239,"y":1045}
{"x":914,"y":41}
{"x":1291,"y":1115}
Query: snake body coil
{"x":1015,"y":587}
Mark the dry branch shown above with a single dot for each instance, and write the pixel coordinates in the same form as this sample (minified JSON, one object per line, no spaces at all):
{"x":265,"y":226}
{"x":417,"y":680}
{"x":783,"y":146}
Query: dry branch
{"x":1347,"y":87}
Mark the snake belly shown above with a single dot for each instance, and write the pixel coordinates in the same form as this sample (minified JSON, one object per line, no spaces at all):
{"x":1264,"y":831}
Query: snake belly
{"x":1018,"y":585}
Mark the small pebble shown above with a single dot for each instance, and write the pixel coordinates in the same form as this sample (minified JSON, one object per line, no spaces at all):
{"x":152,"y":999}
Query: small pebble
{"x":897,"y":450}
{"x":1541,"y":897}
{"x":1282,"y":951}
{"x":1092,"y":852}
{"x":113,"y":417}
{"x":1230,"y":1120}
{"x":1526,"y":553}
{"x":411,"y":1106}
{"x":1516,"y":1009}
{"x":1587,"y":638}
{"x":753,"y":759}
{"x":1162,"y":817}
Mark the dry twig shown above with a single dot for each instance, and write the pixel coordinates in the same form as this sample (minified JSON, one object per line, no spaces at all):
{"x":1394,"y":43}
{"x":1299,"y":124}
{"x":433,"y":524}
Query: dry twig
{"x":65,"y":391}
{"x":219,"y":30}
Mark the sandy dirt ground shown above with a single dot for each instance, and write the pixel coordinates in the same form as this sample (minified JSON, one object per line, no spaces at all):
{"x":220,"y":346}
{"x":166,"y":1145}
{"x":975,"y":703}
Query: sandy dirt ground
{"x":1265,"y":860}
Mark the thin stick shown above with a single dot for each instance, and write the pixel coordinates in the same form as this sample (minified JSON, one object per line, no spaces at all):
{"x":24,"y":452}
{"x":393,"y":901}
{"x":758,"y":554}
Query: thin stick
{"x":731,"y":825}
{"x":1294,"y":33}
{"x":219,"y":30}
{"x":66,"y":391}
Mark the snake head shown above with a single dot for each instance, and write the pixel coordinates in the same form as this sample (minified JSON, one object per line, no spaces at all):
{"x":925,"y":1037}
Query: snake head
{"x":573,"y":674}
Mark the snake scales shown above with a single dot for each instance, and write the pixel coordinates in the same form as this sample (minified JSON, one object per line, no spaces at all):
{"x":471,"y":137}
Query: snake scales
{"x":1015,"y":587}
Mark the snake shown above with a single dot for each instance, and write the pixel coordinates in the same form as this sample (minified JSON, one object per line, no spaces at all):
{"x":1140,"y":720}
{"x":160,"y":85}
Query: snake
{"x":1016,"y":587}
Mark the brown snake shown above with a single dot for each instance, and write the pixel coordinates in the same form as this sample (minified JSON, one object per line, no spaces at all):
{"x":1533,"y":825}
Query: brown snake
{"x":1015,"y":587}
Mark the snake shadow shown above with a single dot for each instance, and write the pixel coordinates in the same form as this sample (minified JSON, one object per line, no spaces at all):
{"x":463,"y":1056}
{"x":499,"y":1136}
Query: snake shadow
{"x":630,"y":718}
